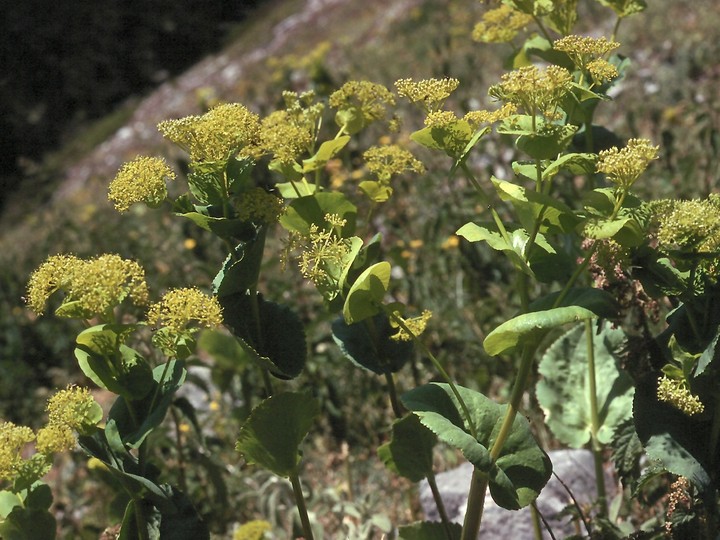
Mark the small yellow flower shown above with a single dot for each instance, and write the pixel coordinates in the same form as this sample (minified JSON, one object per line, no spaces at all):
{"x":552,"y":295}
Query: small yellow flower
{"x":478,"y":118}
{"x":676,"y":393}
{"x":624,"y":166}
{"x":12,"y":441}
{"x":323,"y":252}
{"x":180,"y":308}
{"x":140,"y":180}
{"x":602,"y":71}
{"x":691,"y":225}
{"x":370,"y":99}
{"x":73,"y":407}
{"x":92,"y":286}
{"x":52,"y":275}
{"x":582,"y":49}
{"x":284,"y":138}
{"x":440,"y":119}
{"x":216,"y":135}
{"x":534,"y":89}
{"x":430,"y":93}
{"x":500,"y":25}
{"x":189,"y":243}
{"x":252,"y":530}
{"x":55,"y":439}
{"x":416,"y":325}
{"x":451,"y":242}
{"x":387,"y":161}
{"x":259,"y":206}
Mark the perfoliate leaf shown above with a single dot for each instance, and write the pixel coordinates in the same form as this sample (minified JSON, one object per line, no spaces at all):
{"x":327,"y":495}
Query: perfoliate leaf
{"x":564,"y":391}
{"x":312,"y":209}
{"x":531,"y":327}
{"x":521,"y":470}
{"x":376,"y":191}
{"x":272,"y":434}
{"x":327,"y":150}
{"x":367,"y":293}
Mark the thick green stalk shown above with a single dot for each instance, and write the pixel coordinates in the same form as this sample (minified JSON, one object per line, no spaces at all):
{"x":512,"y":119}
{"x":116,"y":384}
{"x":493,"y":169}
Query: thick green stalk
{"x":595,"y":422}
{"x":302,"y":509}
{"x":475,"y":505}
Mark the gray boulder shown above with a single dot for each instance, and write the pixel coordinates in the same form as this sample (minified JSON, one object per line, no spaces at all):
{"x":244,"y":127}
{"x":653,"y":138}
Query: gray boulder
{"x":574,"y":467}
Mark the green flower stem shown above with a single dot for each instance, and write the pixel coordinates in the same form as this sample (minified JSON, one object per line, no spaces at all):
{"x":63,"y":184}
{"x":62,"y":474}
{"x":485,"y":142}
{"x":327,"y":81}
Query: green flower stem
{"x":440,"y":505}
{"x":479,"y":481}
{"x":475,"y":505}
{"x":397,"y":408}
{"x":140,"y":520}
{"x":542,"y":28}
{"x":516,"y":395}
{"x":595,"y":422}
{"x":486,"y":201}
{"x":441,"y":370}
{"x":302,"y":509}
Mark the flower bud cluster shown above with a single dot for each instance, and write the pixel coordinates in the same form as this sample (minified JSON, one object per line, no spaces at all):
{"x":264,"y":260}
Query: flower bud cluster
{"x":500,"y":25}
{"x":676,"y":392}
{"x":140,"y":180}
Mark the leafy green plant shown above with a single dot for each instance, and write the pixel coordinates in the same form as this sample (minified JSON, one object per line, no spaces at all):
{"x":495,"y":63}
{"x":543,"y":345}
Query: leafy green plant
{"x":593,"y":257}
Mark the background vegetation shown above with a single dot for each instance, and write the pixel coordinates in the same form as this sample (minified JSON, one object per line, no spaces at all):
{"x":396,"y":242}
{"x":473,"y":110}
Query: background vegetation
{"x":671,"y":99}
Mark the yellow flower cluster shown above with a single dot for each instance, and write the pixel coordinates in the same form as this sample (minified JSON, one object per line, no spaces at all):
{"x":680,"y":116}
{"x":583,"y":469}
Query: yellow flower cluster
{"x":216,"y":135}
{"x":252,"y":530}
{"x":534,"y":89}
{"x":691,"y":224}
{"x":430,"y":93}
{"x":284,"y":138}
{"x":477,"y":118}
{"x":323,"y":249}
{"x":440,"y":119}
{"x":602,"y":71}
{"x":416,"y":325}
{"x":587,"y":54}
{"x":370,"y":99}
{"x":259,"y":206}
{"x":70,"y":410}
{"x":179,"y":308}
{"x":676,"y":393}
{"x":92,"y":287}
{"x":140,"y":180}
{"x":623,"y":167}
{"x":582,"y":49}
{"x":12,"y":441}
{"x":386,"y":161}
{"x":500,"y":25}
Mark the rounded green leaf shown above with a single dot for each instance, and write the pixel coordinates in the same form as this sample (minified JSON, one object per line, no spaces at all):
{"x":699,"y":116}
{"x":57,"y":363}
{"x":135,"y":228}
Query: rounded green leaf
{"x":312,"y":209}
{"x":564,"y":392}
{"x":380,"y":355}
{"x":410,"y":451}
{"x":530,"y":327}
{"x":367,"y":293}
{"x":272,"y":434}
{"x":521,"y":470}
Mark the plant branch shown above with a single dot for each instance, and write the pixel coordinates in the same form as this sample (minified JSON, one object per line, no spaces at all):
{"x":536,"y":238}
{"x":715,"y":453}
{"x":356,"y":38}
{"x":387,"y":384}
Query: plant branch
{"x":300,"y":503}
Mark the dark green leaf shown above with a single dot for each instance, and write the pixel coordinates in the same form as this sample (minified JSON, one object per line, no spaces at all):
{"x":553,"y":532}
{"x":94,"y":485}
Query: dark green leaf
{"x":272,"y":434}
{"x":409,"y":452}
{"x":379,"y":355}
{"x":521,"y":470}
